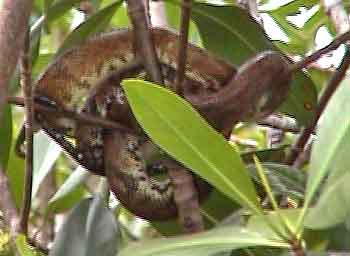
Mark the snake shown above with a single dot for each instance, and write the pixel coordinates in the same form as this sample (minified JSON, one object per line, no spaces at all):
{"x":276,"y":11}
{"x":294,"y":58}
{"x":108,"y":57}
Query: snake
{"x":222,"y":93}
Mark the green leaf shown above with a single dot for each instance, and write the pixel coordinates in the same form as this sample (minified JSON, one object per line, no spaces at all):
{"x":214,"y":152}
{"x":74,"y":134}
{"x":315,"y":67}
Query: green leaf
{"x":69,"y":192}
{"x":260,"y":225}
{"x":5,"y":135}
{"x":320,"y":77}
{"x":94,"y":24}
{"x":15,"y":174}
{"x":121,"y":18}
{"x":333,"y":206}
{"x":45,"y":154}
{"x":206,"y":243}
{"x":283,"y":179}
{"x":172,"y":123}
{"x":23,"y":247}
{"x":330,"y":150}
{"x":237,"y":38}
{"x":90,"y":229}
{"x":59,"y":7}
{"x":292,"y":7}
{"x":41,"y":62}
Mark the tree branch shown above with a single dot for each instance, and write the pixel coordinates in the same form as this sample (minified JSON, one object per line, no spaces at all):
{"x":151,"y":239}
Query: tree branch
{"x":182,"y":49}
{"x":339,"y":40}
{"x":81,"y":117}
{"x":333,"y":84}
{"x":143,"y":39}
{"x":14,"y":16}
{"x":29,"y":118}
{"x":339,"y":17}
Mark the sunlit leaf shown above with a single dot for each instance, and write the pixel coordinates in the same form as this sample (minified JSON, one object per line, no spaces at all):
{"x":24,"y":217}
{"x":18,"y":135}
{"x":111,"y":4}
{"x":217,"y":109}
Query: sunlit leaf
{"x":178,"y":129}
{"x":207,"y":243}
{"x":333,"y":206}
{"x":330,"y":150}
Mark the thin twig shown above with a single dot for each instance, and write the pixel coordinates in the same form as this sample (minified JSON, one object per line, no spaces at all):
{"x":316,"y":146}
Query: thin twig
{"x":81,"y":117}
{"x":182,"y":49}
{"x":296,"y":247}
{"x":29,"y":117}
{"x":304,"y":157}
{"x":333,"y":84}
{"x":143,"y":39}
{"x":317,"y":54}
{"x":338,"y":15}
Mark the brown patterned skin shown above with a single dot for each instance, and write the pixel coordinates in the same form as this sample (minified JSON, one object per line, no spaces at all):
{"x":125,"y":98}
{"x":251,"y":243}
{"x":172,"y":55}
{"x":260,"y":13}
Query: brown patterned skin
{"x":213,"y":87}
{"x":70,"y":79}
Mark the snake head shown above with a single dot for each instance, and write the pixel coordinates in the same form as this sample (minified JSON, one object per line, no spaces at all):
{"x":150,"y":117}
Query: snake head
{"x":269,"y":79}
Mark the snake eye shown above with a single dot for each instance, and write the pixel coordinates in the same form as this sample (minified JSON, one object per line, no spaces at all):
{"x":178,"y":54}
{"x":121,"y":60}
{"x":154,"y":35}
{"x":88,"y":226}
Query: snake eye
{"x":45,"y":101}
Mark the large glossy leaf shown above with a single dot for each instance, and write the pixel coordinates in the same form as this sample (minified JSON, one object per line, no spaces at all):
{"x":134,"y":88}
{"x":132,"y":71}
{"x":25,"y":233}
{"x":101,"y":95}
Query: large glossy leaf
{"x":330,"y":152}
{"x":206,"y":243}
{"x":45,"y":154}
{"x":96,"y":23}
{"x":333,"y":206}
{"x":5,"y":135}
{"x":90,"y":229}
{"x":237,"y":38}
{"x":172,"y":123}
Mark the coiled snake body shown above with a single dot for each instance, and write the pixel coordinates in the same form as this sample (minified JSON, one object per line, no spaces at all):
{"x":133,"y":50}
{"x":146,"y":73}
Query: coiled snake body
{"x":69,"y":81}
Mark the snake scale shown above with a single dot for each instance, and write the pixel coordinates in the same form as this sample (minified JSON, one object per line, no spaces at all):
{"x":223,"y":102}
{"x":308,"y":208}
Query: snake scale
{"x":222,"y":94}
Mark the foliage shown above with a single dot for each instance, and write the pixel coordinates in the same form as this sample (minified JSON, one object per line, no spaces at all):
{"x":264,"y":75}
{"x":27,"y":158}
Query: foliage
{"x":255,"y":207}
